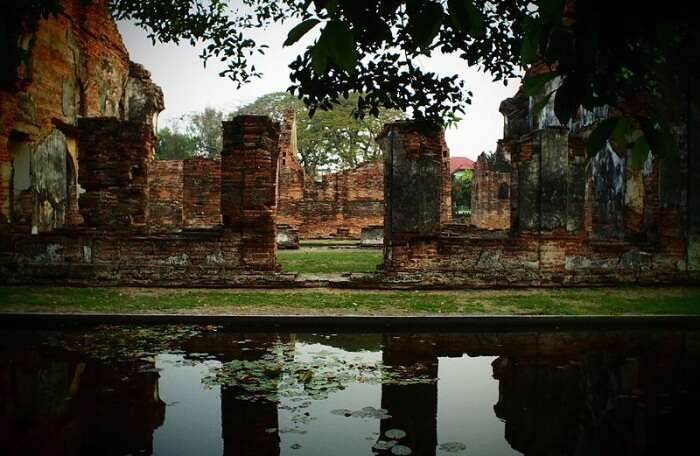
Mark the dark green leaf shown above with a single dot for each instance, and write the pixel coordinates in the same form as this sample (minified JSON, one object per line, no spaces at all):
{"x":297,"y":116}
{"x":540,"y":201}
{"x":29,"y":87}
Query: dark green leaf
{"x":467,"y":17}
{"x":600,"y":134}
{"x":660,"y":139}
{"x":336,"y":43}
{"x":343,"y":49}
{"x":319,"y":57}
{"x":531,"y":41}
{"x":424,"y":24}
{"x":623,"y":131}
{"x":640,"y":152}
{"x":551,"y":10}
{"x":539,"y":106}
{"x":300,"y":30}
{"x":533,"y":85}
{"x":566,"y":101}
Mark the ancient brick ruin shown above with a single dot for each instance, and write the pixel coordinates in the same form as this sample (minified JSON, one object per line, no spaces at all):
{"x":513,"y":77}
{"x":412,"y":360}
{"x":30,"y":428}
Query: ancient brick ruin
{"x":339,"y":205}
{"x":490,"y":197}
{"x":84,"y":202}
{"x":571,"y":221}
{"x":96,"y":207}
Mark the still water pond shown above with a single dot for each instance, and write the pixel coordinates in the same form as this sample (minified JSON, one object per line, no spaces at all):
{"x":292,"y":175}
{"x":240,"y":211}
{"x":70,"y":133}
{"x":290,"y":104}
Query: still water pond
{"x":176,"y":390}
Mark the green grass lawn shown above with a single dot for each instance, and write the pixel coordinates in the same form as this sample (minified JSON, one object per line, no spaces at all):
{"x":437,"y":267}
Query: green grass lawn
{"x":611,"y":301}
{"x":325,"y":261}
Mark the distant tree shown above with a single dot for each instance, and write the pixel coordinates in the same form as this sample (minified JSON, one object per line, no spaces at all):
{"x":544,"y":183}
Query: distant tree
{"x":462,"y":193}
{"x":496,"y":162}
{"x":205,"y":128}
{"x":329,"y":139}
{"x":173,"y":145}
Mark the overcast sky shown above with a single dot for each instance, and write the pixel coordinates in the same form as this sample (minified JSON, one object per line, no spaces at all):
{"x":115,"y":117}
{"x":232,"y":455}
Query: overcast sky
{"x":188,"y":86}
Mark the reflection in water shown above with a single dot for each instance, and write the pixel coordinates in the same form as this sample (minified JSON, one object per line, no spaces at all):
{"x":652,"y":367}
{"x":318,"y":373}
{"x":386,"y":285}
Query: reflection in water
{"x":549,"y":393}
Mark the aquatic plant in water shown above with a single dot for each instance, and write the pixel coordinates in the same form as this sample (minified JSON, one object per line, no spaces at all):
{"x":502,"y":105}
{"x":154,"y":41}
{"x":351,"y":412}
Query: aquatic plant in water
{"x":276,"y":375}
{"x":125,"y":343}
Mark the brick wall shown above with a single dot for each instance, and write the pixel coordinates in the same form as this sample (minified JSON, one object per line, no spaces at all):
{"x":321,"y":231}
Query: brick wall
{"x":165,"y":195}
{"x":249,"y":170}
{"x":338,"y":205}
{"x":201,"y":193}
{"x":490,"y":204}
{"x":557,"y":238}
{"x":114,"y":159}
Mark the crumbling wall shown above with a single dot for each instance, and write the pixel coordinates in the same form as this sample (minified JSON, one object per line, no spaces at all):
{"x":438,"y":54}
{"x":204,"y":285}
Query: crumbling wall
{"x":114,"y":159}
{"x":490,"y":205}
{"x":201,"y":193}
{"x":124,"y":188}
{"x":76,"y":66}
{"x":573,"y":222}
{"x":338,"y":205}
{"x":290,"y":205}
{"x":165,"y":195}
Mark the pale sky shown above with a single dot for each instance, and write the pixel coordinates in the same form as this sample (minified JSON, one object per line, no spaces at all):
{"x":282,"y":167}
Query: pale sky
{"x":188,"y":86}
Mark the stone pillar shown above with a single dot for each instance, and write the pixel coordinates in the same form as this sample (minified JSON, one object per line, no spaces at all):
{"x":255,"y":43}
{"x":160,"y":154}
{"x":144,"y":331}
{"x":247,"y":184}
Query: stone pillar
{"x":249,"y":170}
{"x":114,"y":158}
{"x":413,"y":179}
{"x":414,"y":190}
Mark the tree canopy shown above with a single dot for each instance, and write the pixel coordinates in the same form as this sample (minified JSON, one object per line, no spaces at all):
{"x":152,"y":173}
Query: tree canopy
{"x":599,"y":52}
{"x":173,"y":145}
{"x":329,"y":140}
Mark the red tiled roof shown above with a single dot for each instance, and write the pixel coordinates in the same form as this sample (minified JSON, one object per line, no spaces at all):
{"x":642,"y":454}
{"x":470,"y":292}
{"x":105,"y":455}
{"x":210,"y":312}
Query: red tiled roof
{"x":460,"y":163}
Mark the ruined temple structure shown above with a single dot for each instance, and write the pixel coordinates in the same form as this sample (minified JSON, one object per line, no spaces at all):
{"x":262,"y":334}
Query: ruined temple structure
{"x":82,"y":201}
{"x":82,"y":198}
{"x":555,"y":218}
{"x":338,"y":205}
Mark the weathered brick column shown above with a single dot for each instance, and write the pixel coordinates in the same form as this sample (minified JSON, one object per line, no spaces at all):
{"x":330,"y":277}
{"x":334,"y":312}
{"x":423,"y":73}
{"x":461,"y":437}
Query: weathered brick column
{"x":490,"y":202}
{"x":414,"y":190}
{"x":114,"y":158}
{"x":249,"y":187}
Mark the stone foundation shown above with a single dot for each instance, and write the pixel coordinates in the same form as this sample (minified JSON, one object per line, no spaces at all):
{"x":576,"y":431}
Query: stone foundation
{"x":287,"y":238}
{"x":372,"y":236}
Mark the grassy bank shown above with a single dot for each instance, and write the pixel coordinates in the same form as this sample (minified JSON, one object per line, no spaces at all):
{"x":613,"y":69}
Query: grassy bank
{"x":326,"y":261}
{"x":614,"y":301}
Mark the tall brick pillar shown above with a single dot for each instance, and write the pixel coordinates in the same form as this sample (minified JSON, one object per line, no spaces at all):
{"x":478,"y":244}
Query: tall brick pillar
{"x":114,"y":159}
{"x":414,"y":190}
{"x":249,"y":171}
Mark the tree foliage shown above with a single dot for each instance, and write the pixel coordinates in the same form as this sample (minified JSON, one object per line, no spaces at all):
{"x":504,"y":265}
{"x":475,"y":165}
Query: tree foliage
{"x":621,"y":53}
{"x":462,"y":193}
{"x":173,"y":145}
{"x":205,"y":130}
